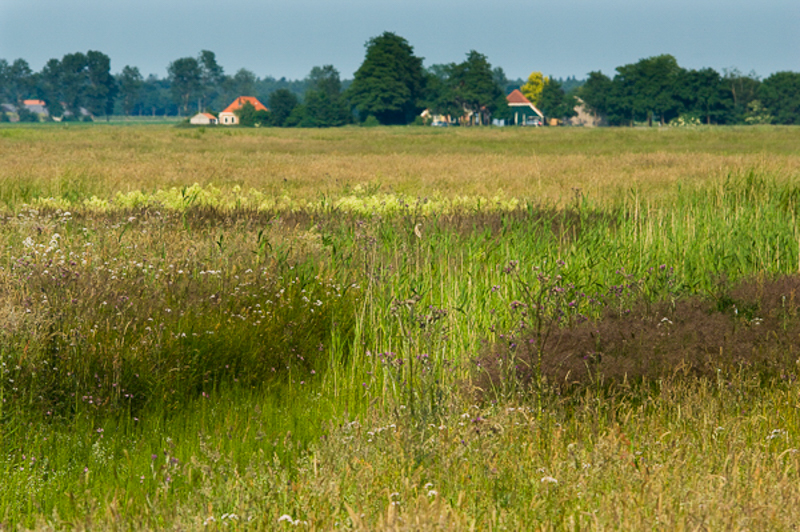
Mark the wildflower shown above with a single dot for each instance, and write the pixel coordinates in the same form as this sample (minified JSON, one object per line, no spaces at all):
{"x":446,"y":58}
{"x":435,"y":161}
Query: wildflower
{"x":288,"y":518}
{"x":549,"y":480}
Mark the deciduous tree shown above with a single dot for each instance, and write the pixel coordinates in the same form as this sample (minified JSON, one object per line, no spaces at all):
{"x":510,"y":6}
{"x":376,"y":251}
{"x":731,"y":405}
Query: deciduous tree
{"x":281,"y":104}
{"x":596,"y":93}
{"x":130,"y":88}
{"x":185,"y":78}
{"x":532,"y":89}
{"x":780,"y":93}
{"x":473,"y":86}
{"x":555,"y":103}
{"x":389,"y":83}
{"x":101,"y":87}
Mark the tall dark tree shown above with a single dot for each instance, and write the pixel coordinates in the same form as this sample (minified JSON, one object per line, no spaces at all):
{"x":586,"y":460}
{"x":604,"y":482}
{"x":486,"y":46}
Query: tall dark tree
{"x":212,"y":78}
{"x":555,"y":103}
{"x":439,"y":94}
{"x":185,"y":77}
{"x":323,"y":105}
{"x":704,"y":96}
{"x":780,"y":94}
{"x":325,"y":79}
{"x":101,"y":87}
{"x":389,"y":83}
{"x":157,"y":98}
{"x":74,"y":82}
{"x":596,"y":93}
{"x":130,"y":89}
{"x":743,"y":89}
{"x":474,"y":88}
{"x":51,"y":87}
{"x":243,"y":83}
{"x":281,"y":104}
{"x":16,"y":81}
{"x":648,"y":89}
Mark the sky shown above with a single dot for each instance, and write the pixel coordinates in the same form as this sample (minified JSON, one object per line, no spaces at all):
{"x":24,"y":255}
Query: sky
{"x":286,"y":38}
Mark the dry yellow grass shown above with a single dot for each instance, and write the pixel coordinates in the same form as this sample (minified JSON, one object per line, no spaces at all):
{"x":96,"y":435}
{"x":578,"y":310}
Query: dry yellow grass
{"x":543,"y":165}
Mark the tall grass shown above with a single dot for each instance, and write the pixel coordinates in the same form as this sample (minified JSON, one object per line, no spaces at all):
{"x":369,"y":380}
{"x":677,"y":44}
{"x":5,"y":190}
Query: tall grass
{"x":194,"y":360}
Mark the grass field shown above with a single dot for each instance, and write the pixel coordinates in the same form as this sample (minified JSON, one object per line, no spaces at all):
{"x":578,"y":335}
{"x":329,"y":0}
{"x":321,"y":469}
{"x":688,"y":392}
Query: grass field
{"x":399,"y":328}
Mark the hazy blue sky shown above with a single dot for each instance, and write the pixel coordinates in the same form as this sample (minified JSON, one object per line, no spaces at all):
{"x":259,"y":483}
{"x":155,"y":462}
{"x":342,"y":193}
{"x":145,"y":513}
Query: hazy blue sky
{"x":289,"y":37}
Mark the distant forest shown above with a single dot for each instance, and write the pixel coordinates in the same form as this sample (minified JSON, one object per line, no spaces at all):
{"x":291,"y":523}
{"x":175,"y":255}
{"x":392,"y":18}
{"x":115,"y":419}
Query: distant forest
{"x":392,"y":87}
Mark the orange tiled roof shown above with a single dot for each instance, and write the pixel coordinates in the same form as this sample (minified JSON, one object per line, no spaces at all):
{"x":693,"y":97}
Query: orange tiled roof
{"x":517,"y":97}
{"x":209,"y":115}
{"x":239,"y":102}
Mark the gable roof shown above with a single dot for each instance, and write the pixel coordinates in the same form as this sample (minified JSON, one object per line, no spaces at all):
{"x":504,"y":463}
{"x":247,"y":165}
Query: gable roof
{"x":516,"y":98}
{"x":239,"y":102}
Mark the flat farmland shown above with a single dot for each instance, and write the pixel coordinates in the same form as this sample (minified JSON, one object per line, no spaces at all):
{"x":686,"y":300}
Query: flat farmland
{"x":399,"y":328}
{"x":543,"y":165}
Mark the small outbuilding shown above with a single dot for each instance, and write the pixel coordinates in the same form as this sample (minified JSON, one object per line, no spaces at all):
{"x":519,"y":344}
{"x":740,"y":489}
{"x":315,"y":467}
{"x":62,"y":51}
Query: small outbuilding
{"x":523,"y":112}
{"x":228,"y":116}
{"x":203,"y":119}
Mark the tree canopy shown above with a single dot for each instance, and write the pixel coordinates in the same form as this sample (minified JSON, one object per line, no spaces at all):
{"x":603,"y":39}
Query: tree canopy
{"x":185,"y":77}
{"x":392,"y":86}
{"x":389,"y":83}
{"x":474,"y":88}
{"x":532,"y":89}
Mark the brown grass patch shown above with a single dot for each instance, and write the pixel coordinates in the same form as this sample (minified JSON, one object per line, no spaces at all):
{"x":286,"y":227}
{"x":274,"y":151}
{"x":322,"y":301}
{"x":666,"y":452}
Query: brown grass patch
{"x":754,"y":325}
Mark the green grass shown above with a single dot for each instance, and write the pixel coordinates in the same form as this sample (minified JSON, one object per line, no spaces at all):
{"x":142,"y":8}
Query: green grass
{"x":319,"y":359}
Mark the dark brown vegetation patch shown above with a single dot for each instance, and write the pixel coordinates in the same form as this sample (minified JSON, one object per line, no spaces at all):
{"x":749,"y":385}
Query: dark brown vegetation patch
{"x":754,"y":326}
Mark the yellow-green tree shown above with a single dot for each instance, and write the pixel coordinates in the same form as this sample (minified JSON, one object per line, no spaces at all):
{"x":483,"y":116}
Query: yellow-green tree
{"x":533,"y":88}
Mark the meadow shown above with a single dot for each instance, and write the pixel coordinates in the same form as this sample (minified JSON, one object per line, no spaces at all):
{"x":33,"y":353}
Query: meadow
{"x":399,"y":328}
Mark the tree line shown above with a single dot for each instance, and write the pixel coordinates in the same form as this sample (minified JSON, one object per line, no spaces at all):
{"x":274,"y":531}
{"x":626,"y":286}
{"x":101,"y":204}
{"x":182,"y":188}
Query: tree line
{"x":657,"y":89}
{"x":392,"y":87}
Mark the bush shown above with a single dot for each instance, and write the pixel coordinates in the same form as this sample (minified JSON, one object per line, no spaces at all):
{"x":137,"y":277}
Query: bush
{"x":371,"y":121}
{"x":27,"y":116}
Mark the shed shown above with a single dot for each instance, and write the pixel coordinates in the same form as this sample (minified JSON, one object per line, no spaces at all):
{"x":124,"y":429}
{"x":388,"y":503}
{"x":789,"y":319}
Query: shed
{"x":203,"y":119}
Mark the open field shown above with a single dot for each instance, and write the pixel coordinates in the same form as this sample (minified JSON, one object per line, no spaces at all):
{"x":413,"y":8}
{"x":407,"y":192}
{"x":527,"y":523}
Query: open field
{"x":399,"y":328}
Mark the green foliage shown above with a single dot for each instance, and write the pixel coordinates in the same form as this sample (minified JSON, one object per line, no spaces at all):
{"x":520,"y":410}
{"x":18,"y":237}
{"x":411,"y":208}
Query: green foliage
{"x":139,"y":335}
{"x":780,"y":93}
{"x":26,"y":115}
{"x":473,"y":87}
{"x":281,"y":104}
{"x":17,"y":81}
{"x":646,"y":90}
{"x":371,"y":121}
{"x":185,"y":77}
{"x":758,"y":114}
{"x":212,"y":79}
{"x":742,"y":89}
{"x":555,"y":103}
{"x":533,"y":87}
{"x":703,"y":93}
{"x":389,"y":83}
{"x":323,"y":104}
{"x":130,"y":88}
{"x":102,"y":88}
{"x":246,"y":115}
{"x":596,"y":93}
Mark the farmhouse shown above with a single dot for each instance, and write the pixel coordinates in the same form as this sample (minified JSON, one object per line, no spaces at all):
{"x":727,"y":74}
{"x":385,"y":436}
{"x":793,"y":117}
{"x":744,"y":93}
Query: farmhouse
{"x":523,"y":112}
{"x":228,"y":116}
{"x":203,"y":119}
